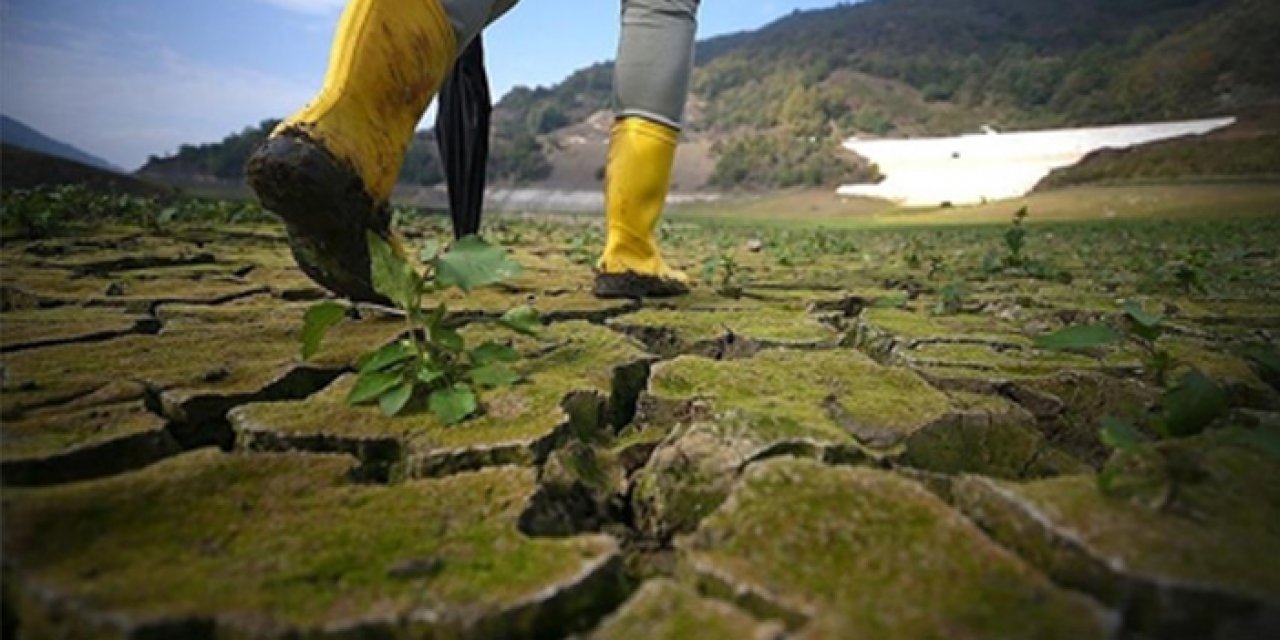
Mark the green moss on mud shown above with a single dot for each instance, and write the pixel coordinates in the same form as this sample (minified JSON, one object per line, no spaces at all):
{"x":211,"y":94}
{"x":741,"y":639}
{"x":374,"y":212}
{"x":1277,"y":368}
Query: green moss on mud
{"x":1231,"y":544}
{"x":790,"y":389}
{"x":64,"y":324}
{"x":864,"y":553}
{"x":766,"y":325}
{"x":262,"y":539}
{"x":569,"y":357}
{"x":1009,"y":362}
{"x":666,"y":610}
{"x":241,"y":355}
{"x":911,"y":325}
{"x":48,"y":434}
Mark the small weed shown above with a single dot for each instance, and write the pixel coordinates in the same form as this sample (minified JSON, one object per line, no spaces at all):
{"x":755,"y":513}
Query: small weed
{"x":1015,"y":240}
{"x":432,"y":361}
{"x":581,"y":248}
{"x":1016,"y":261}
{"x":1140,"y":468}
{"x":951,"y":299}
{"x":722,"y":270}
{"x":1143,"y":470}
{"x":1142,"y":329}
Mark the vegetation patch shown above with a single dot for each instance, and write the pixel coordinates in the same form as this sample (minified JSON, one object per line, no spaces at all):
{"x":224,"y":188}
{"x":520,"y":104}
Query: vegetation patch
{"x":1181,"y":572}
{"x":247,"y":545}
{"x":569,"y":382}
{"x":666,"y":610}
{"x":849,"y":551}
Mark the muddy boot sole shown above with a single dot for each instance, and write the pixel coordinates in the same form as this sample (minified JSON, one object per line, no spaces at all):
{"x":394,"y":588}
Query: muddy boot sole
{"x":635,"y":285}
{"x":326,"y":211}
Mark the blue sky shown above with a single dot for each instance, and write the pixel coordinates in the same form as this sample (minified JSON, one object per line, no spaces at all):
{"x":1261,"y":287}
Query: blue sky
{"x":124,"y":79}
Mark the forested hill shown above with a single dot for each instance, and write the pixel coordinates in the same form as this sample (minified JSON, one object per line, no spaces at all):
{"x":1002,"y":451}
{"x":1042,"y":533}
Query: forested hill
{"x":953,"y":64}
{"x":776,"y":100}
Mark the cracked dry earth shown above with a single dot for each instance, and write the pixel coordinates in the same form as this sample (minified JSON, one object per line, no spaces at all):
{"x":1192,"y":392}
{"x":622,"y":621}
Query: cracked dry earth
{"x":801,"y":461}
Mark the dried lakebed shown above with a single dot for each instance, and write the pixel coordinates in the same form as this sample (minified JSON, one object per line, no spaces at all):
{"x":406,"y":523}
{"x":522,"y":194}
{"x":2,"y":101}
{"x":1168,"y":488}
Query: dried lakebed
{"x":826,"y":454}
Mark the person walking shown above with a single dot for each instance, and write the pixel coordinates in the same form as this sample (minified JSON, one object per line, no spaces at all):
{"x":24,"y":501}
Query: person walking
{"x":329,"y":169}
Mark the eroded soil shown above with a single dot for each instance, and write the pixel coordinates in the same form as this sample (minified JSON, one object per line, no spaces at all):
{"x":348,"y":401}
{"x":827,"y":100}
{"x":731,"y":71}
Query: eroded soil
{"x":854,"y":436}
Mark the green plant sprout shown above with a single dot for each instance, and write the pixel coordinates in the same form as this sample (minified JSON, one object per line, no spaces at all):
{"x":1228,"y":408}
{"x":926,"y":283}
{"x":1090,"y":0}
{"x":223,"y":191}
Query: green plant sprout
{"x":1143,"y":329}
{"x":1016,"y":261}
{"x":937,"y":266}
{"x":581,"y":249}
{"x":1015,"y":240}
{"x":1141,"y":467}
{"x":1187,"y":408}
{"x":951,"y":299}
{"x":726,"y":267}
{"x":432,"y":360}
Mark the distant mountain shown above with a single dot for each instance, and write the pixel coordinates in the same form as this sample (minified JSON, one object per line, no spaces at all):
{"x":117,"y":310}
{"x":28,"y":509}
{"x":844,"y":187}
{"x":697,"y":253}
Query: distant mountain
{"x":769,"y":107}
{"x":16,"y":134}
{"x":27,"y":169}
{"x":934,"y":67}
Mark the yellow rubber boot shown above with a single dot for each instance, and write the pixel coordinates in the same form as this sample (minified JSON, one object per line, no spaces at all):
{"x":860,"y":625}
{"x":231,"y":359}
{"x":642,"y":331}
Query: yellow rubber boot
{"x":389,"y":59}
{"x":638,"y":175}
{"x":328,"y":170}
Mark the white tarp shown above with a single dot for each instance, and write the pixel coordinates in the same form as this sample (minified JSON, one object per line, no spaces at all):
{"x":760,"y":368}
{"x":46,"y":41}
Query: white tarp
{"x":973,"y":168}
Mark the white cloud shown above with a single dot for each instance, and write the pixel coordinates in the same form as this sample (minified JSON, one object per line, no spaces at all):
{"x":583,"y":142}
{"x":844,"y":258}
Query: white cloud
{"x":308,"y":6}
{"x":125,"y":109}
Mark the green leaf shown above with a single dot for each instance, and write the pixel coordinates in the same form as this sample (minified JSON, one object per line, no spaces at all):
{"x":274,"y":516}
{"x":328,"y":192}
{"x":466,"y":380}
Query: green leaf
{"x":447,"y":339}
{"x":889,"y":302}
{"x":1193,"y":404}
{"x":437,"y":316}
{"x":494,"y":375}
{"x":392,"y":275}
{"x":1120,"y":435}
{"x":453,"y":405}
{"x":318,"y":320}
{"x":1107,"y":480}
{"x":394,"y":401}
{"x":429,"y":374}
{"x":491,"y":352}
{"x":1141,"y":316}
{"x":1079,"y":337}
{"x":371,"y":385}
{"x":1267,"y":357}
{"x":429,"y":250}
{"x":522,"y":319}
{"x":473,"y":263}
{"x":383,"y":358}
{"x":709,"y":268}
{"x":1264,"y":440}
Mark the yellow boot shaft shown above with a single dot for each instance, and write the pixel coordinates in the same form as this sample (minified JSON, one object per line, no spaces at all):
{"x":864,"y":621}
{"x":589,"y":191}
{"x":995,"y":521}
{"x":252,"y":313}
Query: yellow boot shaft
{"x":388,"y":61}
{"x":641,"y":156}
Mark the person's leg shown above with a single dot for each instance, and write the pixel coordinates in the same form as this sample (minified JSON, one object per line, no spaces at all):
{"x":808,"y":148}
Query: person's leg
{"x":328,"y":170}
{"x":651,"y":82}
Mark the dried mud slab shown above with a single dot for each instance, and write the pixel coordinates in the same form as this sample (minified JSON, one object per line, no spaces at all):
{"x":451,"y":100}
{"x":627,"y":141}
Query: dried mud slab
{"x":844,"y":552}
{"x":137,"y":291}
{"x":666,"y":610}
{"x":581,"y":380}
{"x":197,"y":368}
{"x":1209,"y":566}
{"x":725,"y":334}
{"x":1070,"y":405}
{"x":108,"y":262}
{"x":30,"y":329}
{"x":554,"y":302}
{"x":1232,"y":314}
{"x":839,"y":406}
{"x":67,"y":446}
{"x":1234,"y":373}
{"x":964,"y":346}
{"x":269,"y":546}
